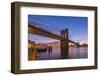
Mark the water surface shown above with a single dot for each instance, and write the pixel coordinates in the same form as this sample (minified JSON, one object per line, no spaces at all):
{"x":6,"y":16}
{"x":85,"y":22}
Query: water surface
{"x":74,"y":53}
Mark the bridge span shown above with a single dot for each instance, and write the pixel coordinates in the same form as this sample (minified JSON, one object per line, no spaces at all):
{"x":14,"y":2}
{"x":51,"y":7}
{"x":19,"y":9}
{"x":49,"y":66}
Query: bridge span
{"x":64,"y":40}
{"x":41,"y":32}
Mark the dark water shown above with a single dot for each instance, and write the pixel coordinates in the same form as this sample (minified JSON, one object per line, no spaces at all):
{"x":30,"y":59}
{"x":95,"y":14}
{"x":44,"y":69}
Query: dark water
{"x":74,"y":53}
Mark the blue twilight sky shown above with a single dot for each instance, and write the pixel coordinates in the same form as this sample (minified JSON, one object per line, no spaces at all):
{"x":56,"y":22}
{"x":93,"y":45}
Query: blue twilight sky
{"x":77,"y":26}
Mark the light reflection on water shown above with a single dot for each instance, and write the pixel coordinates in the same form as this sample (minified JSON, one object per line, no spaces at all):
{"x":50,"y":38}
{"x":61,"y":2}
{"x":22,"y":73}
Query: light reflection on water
{"x":74,"y":53}
{"x":81,"y":52}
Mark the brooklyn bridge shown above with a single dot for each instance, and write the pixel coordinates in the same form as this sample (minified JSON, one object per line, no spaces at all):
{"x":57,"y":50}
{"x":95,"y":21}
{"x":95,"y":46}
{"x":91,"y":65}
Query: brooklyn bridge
{"x":64,"y":38}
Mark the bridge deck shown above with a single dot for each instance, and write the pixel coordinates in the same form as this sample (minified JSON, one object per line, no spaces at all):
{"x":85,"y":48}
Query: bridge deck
{"x":39,"y":31}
